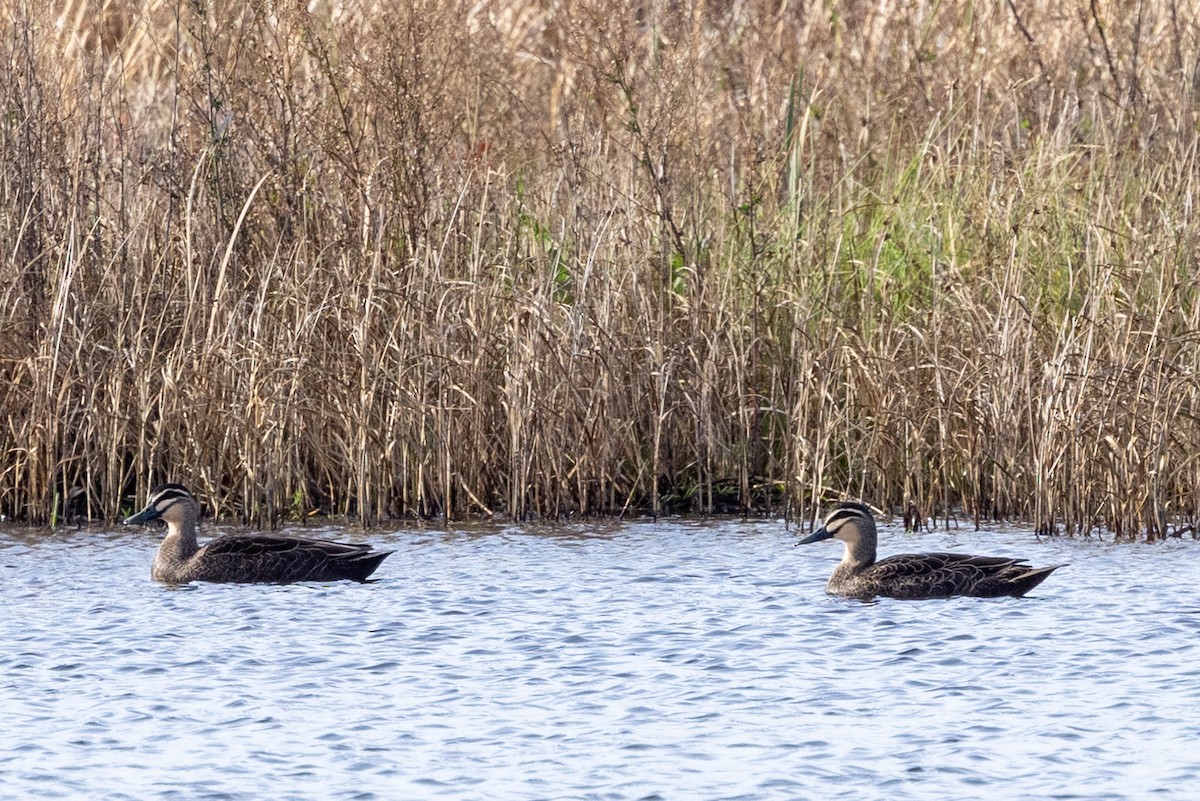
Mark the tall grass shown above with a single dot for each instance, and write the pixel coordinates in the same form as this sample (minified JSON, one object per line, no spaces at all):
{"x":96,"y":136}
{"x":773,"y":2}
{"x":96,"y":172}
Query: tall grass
{"x":459,"y":258}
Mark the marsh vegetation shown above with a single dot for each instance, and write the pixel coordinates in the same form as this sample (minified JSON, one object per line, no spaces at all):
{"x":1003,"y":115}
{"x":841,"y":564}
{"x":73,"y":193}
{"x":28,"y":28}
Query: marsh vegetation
{"x":461,"y":258}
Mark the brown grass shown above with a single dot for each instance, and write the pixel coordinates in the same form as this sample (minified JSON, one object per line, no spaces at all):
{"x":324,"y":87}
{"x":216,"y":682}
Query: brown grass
{"x":523,"y":258}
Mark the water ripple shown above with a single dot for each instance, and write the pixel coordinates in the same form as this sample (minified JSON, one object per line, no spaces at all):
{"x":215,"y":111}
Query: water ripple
{"x":638,"y":661}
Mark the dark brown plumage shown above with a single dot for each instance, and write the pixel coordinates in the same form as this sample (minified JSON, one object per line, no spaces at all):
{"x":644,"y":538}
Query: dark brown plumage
{"x":916,"y":576}
{"x":245,"y":558}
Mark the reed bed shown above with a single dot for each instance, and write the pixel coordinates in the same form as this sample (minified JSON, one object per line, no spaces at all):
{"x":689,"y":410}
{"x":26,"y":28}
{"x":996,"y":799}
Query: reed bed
{"x":518,"y":258}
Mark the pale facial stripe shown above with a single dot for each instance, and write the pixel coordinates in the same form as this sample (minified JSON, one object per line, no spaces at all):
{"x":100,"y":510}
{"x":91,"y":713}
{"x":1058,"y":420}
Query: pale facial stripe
{"x":843,"y":515}
{"x":168,"y":497}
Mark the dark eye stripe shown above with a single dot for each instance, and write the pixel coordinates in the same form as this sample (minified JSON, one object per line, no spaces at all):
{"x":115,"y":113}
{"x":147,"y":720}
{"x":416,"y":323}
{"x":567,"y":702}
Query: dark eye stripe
{"x":163,"y":504}
{"x":844,"y":514}
{"x":165,"y":496}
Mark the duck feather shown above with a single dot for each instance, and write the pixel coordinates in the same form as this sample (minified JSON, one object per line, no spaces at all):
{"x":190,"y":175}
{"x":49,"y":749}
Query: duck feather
{"x":245,"y":558}
{"x":916,"y":576}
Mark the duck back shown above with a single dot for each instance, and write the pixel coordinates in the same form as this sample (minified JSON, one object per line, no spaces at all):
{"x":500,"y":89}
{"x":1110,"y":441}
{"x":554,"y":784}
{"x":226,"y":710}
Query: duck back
{"x":265,"y":558}
{"x":940,"y":575}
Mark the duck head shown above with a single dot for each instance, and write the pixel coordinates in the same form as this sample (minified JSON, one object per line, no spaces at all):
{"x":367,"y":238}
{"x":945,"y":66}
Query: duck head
{"x":171,"y":503}
{"x":853,"y":524}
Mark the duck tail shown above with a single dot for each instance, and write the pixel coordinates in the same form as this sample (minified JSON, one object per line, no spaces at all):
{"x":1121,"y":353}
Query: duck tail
{"x":1026,"y":581}
{"x":358,"y":568}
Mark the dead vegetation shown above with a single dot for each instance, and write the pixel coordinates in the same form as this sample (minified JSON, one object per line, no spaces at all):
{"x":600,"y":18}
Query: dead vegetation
{"x":525,"y":258}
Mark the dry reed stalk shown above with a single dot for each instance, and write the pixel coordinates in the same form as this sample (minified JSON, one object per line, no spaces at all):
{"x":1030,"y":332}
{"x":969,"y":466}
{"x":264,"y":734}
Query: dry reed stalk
{"x":505,"y":258}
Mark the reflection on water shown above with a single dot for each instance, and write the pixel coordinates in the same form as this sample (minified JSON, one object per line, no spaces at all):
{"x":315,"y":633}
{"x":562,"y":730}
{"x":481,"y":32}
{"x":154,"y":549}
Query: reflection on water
{"x":669,"y":660}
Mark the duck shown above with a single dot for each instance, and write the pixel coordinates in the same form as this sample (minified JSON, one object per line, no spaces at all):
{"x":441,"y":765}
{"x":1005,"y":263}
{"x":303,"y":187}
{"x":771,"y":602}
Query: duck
{"x":245,"y":558}
{"x":916,"y":576}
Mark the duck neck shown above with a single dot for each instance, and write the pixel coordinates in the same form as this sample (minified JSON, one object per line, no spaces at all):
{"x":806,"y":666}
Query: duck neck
{"x":859,"y":554}
{"x":180,"y":543}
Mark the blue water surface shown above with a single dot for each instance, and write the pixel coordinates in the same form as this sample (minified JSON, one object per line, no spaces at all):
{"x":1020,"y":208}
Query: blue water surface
{"x":667,"y":660}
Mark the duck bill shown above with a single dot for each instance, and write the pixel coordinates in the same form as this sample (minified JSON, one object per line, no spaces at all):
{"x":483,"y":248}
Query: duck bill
{"x":144,"y":516}
{"x":816,"y":536}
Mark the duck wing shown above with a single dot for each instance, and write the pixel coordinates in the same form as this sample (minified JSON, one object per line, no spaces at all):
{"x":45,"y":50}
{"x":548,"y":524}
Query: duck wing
{"x":281,"y":559}
{"x":905,"y":564}
{"x":938,"y":575}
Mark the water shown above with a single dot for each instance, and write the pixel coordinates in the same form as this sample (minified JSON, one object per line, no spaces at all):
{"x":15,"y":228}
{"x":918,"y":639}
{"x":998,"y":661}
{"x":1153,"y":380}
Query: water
{"x":612,"y":661}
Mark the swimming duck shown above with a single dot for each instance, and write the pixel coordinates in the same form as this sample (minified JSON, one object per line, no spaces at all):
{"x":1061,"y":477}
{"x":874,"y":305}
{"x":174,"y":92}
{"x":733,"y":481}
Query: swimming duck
{"x":244,"y":558}
{"x":916,"y":576}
